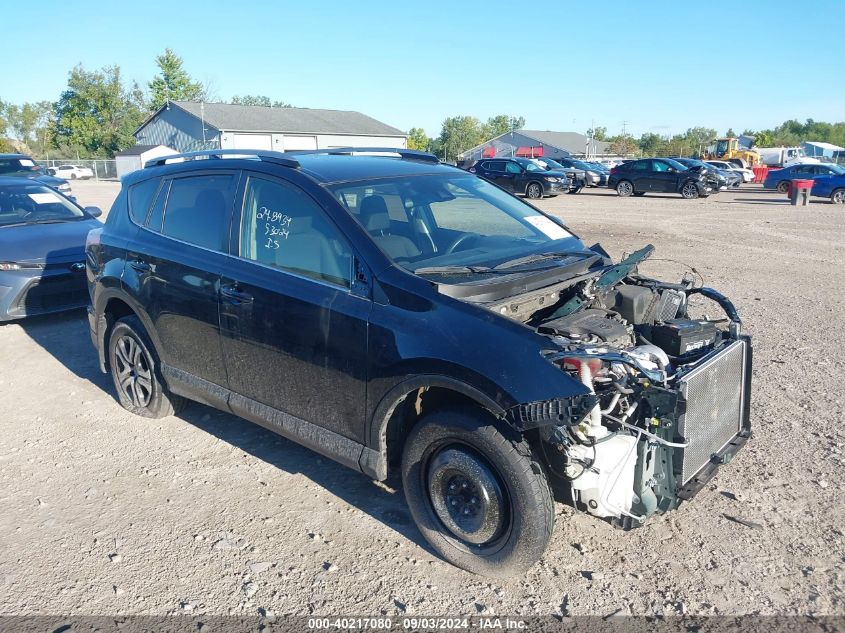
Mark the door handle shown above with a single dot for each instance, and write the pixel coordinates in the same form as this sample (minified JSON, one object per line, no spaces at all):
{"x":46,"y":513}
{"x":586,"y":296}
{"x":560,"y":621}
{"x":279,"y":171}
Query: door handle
{"x":232,"y":294}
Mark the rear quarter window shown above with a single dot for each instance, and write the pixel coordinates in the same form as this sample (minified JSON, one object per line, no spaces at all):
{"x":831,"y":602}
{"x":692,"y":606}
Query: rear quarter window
{"x":141,"y":196}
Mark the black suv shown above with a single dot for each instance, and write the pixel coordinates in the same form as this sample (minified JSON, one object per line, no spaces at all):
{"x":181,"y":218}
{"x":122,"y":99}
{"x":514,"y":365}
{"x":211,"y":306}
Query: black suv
{"x":521,"y":175}
{"x":400,"y":315}
{"x":658,"y":175}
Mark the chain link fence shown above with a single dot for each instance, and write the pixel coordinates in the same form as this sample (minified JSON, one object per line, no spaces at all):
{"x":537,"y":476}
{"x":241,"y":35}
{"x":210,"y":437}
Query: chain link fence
{"x":102,"y":169}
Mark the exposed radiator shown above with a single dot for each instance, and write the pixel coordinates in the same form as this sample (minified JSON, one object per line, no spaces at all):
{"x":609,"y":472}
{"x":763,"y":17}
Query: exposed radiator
{"x":714,"y":397}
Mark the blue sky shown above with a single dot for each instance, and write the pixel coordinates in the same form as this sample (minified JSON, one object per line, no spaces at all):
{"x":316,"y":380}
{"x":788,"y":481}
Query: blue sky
{"x":660,"y":66}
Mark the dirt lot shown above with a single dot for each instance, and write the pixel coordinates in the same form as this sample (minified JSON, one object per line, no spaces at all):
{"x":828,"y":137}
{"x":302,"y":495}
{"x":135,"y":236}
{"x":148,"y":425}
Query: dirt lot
{"x":105,"y":513}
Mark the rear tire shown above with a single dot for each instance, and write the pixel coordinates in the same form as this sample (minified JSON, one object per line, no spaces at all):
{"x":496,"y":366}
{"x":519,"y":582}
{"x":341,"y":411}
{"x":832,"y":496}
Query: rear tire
{"x":624,"y":188}
{"x":534,"y":191}
{"x":136,"y":372}
{"x":783,"y":186}
{"x":477,"y":494}
{"x":838,"y":196}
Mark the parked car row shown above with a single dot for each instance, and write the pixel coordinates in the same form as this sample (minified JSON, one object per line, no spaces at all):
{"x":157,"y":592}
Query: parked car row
{"x":23,"y":166}
{"x":828,"y":175}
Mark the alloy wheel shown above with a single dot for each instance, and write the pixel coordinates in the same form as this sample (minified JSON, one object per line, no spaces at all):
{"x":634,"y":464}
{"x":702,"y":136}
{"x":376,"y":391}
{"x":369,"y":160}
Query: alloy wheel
{"x":689,"y":190}
{"x":134,"y":374}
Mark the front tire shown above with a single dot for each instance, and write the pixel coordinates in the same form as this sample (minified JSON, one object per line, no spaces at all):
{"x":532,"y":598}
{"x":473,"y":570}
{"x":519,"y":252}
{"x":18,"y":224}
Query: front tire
{"x":624,"y":188}
{"x":783,"y":186}
{"x":689,"y":190}
{"x":478,"y":496}
{"x":838,"y":196}
{"x":136,"y":372}
{"x":534,"y":191}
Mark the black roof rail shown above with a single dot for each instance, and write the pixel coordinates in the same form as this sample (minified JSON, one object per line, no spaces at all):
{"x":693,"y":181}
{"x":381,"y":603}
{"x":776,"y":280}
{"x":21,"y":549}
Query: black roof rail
{"x":266,"y":156}
{"x":405,"y":154}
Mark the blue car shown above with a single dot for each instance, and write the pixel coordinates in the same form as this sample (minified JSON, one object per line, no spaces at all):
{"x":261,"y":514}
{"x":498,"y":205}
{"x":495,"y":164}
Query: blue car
{"x":779,"y":178}
{"x":832,"y":187}
{"x":42,"y":249}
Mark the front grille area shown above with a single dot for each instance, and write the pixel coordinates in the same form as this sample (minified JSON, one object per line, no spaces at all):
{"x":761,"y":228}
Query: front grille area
{"x":714,"y":394}
{"x":52,"y":293}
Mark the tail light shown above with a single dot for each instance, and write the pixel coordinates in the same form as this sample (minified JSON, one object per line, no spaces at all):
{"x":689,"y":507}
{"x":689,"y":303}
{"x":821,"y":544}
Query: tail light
{"x":613,"y":171}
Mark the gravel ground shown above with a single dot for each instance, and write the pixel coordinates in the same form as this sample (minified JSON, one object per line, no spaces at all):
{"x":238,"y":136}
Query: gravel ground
{"x":105,"y":513}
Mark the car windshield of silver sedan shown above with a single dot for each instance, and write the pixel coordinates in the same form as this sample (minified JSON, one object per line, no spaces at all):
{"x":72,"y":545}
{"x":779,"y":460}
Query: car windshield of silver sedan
{"x":34,"y":204}
{"x":455,"y":225}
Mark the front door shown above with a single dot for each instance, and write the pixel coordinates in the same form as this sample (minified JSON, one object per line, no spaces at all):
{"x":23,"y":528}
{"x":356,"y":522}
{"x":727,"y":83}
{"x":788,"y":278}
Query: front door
{"x":173,"y":266}
{"x":294,"y":332}
{"x":663,"y":178}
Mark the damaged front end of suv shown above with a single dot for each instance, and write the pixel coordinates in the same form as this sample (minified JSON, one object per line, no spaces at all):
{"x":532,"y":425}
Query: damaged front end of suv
{"x":665,"y":397}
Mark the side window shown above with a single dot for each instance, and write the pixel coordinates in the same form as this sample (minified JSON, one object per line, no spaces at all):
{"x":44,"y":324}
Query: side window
{"x":658,"y":165}
{"x":641,"y":165}
{"x":197,"y":210}
{"x":513,"y":168}
{"x":283,"y":227}
{"x":496,"y":166}
{"x":141,"y":198}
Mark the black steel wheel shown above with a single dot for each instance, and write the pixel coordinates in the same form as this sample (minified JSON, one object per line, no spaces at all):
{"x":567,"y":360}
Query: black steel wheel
{"x":534,"y":191}
{"x":476,"y":492}
{"x":135,"y":371}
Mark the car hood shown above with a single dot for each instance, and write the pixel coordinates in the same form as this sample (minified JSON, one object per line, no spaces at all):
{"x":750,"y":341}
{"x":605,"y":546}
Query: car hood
{"x":46,"y":243}
{"x":50,"y":181}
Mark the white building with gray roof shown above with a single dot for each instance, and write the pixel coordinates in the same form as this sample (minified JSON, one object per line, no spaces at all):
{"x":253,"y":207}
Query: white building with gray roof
{"x":188,"y":126}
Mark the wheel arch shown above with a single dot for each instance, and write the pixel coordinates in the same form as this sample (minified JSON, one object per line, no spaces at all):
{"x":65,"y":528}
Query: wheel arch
{"x":114,"y":306}
{"x":538,"y":183}
{"x":406,"y":403}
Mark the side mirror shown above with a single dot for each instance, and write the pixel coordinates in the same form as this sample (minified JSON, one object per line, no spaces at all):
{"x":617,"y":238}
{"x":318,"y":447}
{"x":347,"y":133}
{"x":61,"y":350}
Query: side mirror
{"x":95,"y":212}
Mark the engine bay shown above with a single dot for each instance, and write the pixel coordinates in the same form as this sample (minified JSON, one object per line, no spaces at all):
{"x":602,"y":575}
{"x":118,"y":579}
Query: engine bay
{"x":669,"y":392}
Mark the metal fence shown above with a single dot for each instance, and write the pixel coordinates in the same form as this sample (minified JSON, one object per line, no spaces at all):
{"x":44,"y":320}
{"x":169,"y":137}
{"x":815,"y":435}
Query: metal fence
{"x":103,"y":169}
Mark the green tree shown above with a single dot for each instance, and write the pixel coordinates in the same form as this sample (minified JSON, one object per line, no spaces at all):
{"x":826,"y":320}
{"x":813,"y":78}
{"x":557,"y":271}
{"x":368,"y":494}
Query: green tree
{"x":651,"y":144}
{"x":622,"y":145}
{"x":173,"y":83}
{"x":259,"y":100}
{"x":460,"y":133}
{"x":4,"y":124}
{"x":699,"y":137}
{"x":502,"y":123}
{"x":417,"y":139}
{"x":29,"y":123}
{"x":96,"y":114}
{"x":598,"y":133}
{"x":730,"y":133}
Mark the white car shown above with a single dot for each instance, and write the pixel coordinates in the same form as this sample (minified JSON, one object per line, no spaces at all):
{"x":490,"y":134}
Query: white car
{"x":747,"y":174}
{"x":71,"y":172}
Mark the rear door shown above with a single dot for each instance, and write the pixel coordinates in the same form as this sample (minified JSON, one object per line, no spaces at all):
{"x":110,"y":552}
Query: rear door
{"x":173,"y":269}
{"x":294,"y":325}
{"x":511,"y":178}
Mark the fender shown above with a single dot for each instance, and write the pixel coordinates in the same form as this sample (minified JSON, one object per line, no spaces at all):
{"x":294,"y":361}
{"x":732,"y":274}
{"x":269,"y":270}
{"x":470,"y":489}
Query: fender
{"x":376,"y":457}
{"x":102,"y":323}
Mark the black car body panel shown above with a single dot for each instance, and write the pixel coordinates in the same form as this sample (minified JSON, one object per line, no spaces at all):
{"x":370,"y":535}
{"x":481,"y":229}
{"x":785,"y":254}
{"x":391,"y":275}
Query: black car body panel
{"x":512,"y":174}
{"x":22,"y":166}
{"x":656,"y":175}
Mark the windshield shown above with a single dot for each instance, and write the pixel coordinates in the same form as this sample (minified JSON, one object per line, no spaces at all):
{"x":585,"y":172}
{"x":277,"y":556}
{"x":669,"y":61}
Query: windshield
{"x":451,"y":221}
{"x":675,"y":164}
{"x":552,"y":164}
{"x":582,"y":165}
{"x":837,"y":169}
{"x":530,"y":165}
{"x":33,"y":204}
